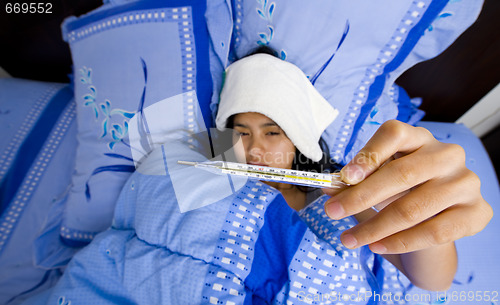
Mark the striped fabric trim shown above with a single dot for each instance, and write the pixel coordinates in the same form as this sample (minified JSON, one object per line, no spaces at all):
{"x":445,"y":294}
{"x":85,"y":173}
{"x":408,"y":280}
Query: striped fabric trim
{"x":9,"y":153}
{"x":34,"y":176}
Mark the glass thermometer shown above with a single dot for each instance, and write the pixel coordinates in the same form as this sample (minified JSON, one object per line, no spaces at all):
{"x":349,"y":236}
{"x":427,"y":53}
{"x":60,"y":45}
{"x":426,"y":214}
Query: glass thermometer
{"x":311,"y":179}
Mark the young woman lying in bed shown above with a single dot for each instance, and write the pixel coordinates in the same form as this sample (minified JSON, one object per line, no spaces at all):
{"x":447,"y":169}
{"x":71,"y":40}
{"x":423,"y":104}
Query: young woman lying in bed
{"x":246,"y":243}
{"x":426,"y":196}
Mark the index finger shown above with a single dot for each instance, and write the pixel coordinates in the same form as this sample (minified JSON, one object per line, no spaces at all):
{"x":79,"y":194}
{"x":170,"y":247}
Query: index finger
{"x":391,"y":138}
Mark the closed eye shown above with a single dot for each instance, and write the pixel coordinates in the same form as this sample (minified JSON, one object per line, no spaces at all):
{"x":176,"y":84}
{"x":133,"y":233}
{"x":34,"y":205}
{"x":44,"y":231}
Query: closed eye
{"x":241,"y":133}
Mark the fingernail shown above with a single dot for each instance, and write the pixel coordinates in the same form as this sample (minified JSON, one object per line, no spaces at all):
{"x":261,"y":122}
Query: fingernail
{"x":353,"y":173}
{"x":348,"y":240}
{"x":334,"y":210}
{"x":378,"y":248}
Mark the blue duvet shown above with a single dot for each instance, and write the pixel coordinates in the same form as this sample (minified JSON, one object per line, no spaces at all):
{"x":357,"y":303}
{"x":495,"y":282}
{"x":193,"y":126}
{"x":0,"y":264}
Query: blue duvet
{"x":245,"y":246}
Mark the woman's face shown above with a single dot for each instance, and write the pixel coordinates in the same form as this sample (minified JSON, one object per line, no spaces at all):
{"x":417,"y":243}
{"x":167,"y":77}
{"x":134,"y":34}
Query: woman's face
{"x":264,"y":142}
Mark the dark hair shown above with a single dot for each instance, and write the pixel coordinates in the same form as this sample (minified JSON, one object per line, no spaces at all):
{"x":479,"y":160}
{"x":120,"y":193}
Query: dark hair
{"x":262,"y":50}
{"x":324,"y":165}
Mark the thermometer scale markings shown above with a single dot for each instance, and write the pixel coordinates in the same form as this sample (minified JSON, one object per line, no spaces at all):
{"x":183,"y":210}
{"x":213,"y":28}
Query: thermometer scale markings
{"x":270,"y":173}
{"x":264,"y":173}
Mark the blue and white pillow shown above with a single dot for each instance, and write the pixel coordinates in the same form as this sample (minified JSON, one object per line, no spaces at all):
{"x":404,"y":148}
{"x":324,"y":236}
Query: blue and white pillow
{"x":354,"y":52}
{"x":126,"y":57}
{"x":37,"y":155}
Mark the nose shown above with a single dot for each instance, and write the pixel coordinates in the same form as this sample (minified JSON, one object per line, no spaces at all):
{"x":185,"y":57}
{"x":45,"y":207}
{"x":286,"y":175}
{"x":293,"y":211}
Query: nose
{"x":255,"y":149}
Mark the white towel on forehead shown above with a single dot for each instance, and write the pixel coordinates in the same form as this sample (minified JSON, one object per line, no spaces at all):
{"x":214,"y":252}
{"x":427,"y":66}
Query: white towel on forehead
{"x":281,"y":91}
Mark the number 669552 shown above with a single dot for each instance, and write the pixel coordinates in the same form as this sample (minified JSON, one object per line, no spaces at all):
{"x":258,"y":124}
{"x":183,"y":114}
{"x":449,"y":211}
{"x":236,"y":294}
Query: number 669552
{"x":28,"y":8}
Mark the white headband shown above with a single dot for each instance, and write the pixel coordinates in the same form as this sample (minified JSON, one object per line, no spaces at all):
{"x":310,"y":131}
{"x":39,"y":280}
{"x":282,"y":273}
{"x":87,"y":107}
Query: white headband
{"x":281,"y":91}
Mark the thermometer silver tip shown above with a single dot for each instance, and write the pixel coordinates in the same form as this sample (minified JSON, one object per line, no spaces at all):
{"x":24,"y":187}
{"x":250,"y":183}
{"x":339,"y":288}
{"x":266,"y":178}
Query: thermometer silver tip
{"x":187,"y":163}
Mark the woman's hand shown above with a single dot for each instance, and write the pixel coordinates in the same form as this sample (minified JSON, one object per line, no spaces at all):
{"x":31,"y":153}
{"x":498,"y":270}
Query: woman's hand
{"x":430,"y":197}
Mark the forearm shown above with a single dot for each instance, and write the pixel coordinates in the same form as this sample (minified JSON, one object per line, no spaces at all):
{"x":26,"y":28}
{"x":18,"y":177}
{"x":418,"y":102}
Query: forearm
{"x":431,"y":269}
